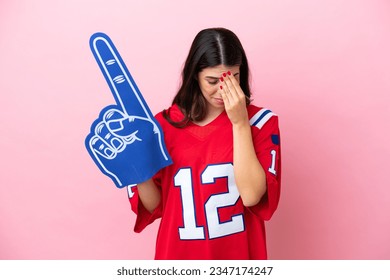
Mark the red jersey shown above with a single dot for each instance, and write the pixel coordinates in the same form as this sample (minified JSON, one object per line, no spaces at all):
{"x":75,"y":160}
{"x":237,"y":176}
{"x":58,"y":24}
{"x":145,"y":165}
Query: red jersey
{"x":202,"y":214}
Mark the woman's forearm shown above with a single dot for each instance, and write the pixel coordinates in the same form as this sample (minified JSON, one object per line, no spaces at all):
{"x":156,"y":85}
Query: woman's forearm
{"x":149,"y":194}
{"x":249,"y":174}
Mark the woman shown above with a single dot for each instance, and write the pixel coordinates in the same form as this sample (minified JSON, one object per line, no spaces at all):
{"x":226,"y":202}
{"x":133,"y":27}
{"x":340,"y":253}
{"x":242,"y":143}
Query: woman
{"x":225,"y":179}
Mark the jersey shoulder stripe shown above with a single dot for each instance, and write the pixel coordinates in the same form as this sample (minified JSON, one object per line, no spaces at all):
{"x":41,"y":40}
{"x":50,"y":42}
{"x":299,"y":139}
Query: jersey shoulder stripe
{"x":261,"y":117}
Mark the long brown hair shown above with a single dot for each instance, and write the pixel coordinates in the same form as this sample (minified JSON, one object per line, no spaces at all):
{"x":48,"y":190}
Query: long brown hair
{"x":211,"y":47}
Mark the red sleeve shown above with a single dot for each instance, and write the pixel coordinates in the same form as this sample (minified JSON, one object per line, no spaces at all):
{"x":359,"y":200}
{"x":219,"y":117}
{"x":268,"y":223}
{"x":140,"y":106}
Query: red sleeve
{"x":267,"y":146}
{"x":144,"y":217}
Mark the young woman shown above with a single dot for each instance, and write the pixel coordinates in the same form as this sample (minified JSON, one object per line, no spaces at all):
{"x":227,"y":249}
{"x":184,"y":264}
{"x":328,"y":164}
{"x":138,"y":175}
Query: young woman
{"x":225,"y":178}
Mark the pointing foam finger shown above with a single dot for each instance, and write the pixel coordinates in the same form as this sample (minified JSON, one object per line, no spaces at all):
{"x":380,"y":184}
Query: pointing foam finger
{"x":122,"y":85}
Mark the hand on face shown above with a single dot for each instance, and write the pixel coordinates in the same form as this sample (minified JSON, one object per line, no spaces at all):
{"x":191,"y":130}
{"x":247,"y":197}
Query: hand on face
{"x":234,"y":99}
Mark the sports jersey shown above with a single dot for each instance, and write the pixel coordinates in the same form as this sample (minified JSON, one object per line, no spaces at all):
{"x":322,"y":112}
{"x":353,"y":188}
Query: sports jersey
{"x":202,"y":214}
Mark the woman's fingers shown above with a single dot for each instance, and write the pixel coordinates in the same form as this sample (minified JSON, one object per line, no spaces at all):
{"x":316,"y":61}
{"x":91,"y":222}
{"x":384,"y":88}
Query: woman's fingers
{"x":233,"y":98}
{"x":232,"y":88}
{"x":225,"y":96}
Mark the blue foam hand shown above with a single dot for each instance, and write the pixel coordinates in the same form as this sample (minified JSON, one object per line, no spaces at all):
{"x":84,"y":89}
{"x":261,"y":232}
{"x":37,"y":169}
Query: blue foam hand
{"x":126,"y":142}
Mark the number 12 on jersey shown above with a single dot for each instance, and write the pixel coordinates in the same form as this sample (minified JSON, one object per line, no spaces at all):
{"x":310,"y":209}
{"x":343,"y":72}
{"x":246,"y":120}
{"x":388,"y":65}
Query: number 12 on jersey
{"x":215,"y":228}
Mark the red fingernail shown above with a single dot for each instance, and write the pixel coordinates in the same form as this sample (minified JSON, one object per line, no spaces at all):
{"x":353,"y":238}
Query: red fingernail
{"x":229,"y":73}
{"x":220,"y":87}
{"x":221,"y":79}
{"x":224,"y":74}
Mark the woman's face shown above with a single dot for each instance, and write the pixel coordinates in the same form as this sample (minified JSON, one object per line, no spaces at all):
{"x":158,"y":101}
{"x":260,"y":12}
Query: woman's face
{"x":209,"y":83}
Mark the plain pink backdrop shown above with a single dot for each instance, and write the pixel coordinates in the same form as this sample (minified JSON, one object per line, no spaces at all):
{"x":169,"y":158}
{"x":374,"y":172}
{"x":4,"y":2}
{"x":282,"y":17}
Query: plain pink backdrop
{"x":322,"y":66}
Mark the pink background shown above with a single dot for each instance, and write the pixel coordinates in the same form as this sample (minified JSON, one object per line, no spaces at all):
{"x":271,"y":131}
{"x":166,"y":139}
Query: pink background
{"x":322,"y":66}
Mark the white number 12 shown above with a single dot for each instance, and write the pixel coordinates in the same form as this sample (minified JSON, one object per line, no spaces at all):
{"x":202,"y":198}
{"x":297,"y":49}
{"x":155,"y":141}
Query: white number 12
{"x":190,"y":230}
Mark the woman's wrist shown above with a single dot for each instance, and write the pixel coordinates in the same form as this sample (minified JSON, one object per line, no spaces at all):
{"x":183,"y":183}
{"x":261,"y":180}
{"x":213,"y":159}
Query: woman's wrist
{"x":241,"y":126}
